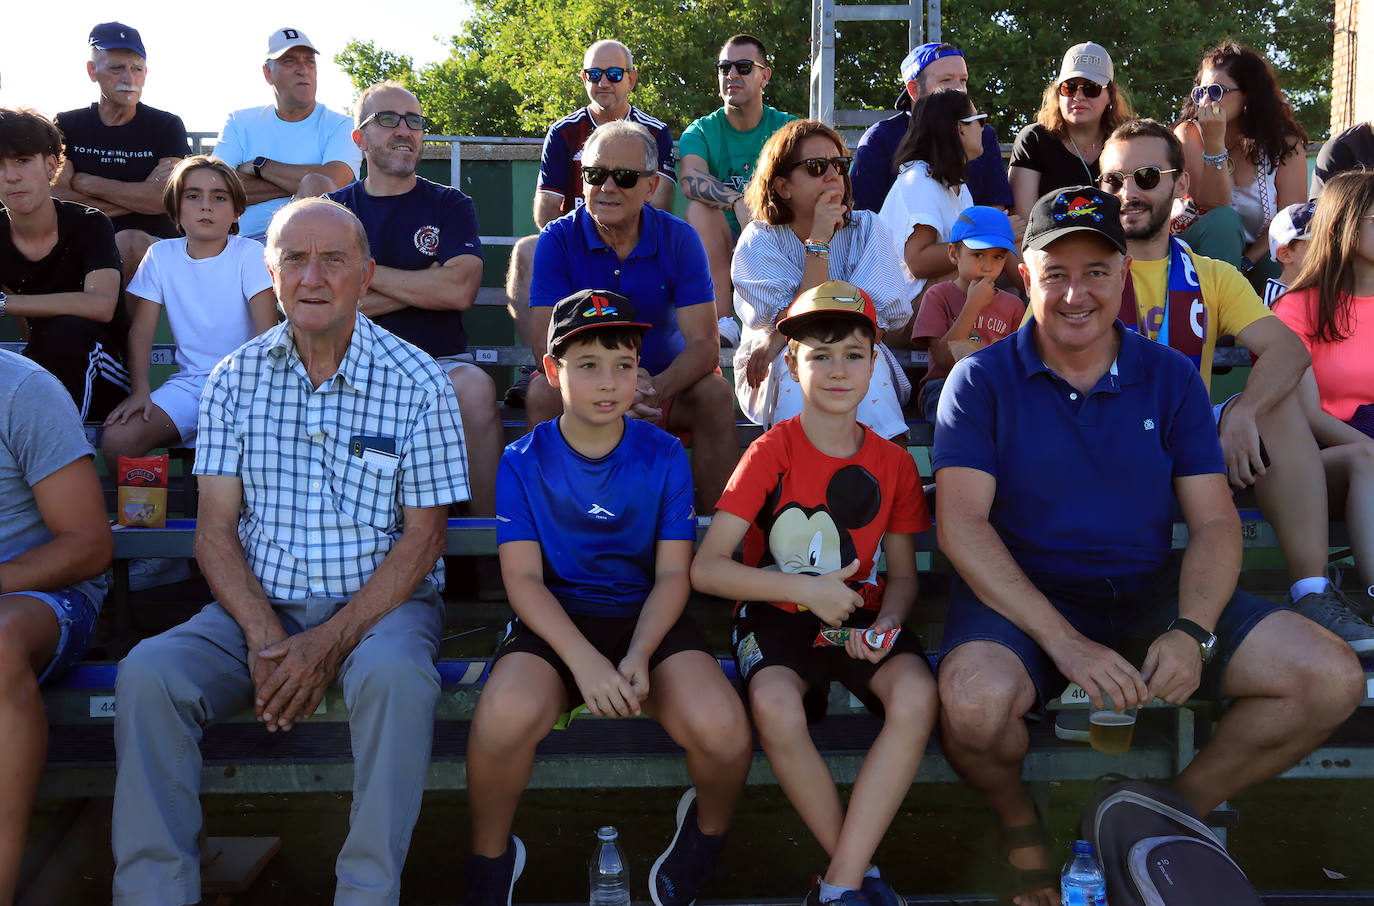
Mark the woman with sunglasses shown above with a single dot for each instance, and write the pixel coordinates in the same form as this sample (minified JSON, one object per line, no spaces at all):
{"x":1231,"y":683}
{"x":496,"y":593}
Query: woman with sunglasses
{"x":1245,"y":157}
{"x":945,"y":133}
{"x":804,"y":232}
{"x":1080,"y":108}
{"x":1331,"y":307}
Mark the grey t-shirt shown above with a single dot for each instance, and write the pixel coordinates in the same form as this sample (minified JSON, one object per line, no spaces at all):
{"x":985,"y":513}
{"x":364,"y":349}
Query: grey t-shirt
{"x":40,"y":433}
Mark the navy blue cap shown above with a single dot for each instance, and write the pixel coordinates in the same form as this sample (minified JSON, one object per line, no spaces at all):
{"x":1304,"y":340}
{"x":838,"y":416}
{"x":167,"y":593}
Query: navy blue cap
{"x":117,"y":36}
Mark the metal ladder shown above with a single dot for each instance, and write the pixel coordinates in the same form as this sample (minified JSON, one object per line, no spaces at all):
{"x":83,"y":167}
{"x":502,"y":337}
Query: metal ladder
{"x":923,"y":22}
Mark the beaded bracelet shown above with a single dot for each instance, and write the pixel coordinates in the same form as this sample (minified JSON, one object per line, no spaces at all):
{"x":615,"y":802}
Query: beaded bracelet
{"x":817,"y":248}
{"x":1217,"y":161}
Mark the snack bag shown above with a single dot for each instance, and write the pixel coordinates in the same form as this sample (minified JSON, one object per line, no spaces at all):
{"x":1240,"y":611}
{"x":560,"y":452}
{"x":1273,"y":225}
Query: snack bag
{"x":143,"y":491}
{"x":873,"y":637}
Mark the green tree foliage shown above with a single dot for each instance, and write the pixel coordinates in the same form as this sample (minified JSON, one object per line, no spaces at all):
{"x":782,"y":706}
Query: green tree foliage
{"x":513,"y":69}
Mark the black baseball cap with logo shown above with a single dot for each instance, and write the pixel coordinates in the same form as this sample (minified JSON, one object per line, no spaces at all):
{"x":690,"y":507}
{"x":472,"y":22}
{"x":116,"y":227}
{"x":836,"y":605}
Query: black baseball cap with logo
{"x":589,"y":309}
{"x":1076,"y":209}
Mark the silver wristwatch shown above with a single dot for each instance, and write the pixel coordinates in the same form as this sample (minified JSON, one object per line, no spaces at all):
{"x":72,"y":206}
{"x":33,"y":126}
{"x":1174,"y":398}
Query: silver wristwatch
{"x":3,"y":299}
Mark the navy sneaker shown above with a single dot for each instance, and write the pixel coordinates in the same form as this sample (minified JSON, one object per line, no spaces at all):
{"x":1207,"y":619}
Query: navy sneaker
{"x":880,"y":893}
{"x":689,"y":861}
{"x":489,"y":882}
{"x":848,"y":898}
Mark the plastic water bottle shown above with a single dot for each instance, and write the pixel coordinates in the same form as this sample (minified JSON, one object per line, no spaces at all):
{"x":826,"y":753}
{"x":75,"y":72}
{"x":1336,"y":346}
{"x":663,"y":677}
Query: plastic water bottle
{"x":1082,"y":882}
{"x":610,"y":881}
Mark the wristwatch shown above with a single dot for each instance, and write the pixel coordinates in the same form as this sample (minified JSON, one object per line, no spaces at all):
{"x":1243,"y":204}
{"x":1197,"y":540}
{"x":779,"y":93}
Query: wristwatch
{"x":1207,"y":641}
{"x":258,"y":163}
{"x":3,"y":299}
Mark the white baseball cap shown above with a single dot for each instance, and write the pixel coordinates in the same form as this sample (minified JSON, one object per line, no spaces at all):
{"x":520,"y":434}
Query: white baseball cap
{"x":283,"y":39}
{"x":1289,"y":225}
{"x":1086,"y":61}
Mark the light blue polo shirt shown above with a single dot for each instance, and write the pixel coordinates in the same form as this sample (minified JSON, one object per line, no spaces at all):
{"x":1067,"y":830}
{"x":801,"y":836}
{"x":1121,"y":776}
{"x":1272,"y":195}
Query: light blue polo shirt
{"x":1084,"y":481}
{"x":666,"y":270}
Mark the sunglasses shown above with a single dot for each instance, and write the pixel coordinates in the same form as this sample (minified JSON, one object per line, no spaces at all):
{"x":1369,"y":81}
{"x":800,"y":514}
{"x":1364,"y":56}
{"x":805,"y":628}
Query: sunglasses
{"x":975,"y":118}
{"x":743,"y":67}
{"x":816,"y":166}
{"x":1145,"y":177}
{"x":1212,"y":92}
{"x":390,"y":119}
{"x":626,"y":179}
{"x":1071,"y":87}
{"x":613,"y":75}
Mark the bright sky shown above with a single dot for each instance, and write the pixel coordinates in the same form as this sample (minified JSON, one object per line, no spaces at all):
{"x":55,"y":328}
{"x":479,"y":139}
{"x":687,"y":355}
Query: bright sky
{"x":204,"y":58}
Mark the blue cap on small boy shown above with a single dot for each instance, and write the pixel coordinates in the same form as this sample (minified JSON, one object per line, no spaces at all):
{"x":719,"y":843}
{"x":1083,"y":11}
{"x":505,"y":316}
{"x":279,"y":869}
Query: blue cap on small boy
{"x":1289,"y":225}
{"x":833,"y":297}
{"x":982,"y":227}
{"x":587,"y":309}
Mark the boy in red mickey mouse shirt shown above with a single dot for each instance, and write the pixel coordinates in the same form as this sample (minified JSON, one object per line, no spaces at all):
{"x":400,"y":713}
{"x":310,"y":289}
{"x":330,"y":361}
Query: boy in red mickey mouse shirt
{"x":812,"y":499}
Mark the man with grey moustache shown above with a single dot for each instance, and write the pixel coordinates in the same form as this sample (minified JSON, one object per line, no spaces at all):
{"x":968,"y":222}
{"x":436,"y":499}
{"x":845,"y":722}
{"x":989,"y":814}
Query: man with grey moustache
{"x":120,"y":151}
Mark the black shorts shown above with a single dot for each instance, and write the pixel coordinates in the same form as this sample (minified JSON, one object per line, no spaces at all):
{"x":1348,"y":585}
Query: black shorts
{"x":93,"y":373}
{"x":609,"y":635}
{"x":766,"y":636}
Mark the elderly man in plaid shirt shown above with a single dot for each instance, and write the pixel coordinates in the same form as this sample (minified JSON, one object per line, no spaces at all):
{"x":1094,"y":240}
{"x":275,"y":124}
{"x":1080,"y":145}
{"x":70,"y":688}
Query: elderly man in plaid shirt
{"x":329,"y":451}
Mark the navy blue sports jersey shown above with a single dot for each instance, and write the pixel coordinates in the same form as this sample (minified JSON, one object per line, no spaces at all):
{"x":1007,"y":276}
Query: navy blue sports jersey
{"x":430,"y":223}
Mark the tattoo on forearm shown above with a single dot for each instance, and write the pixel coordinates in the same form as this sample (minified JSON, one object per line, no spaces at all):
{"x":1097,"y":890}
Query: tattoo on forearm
{"x":708,"y":190}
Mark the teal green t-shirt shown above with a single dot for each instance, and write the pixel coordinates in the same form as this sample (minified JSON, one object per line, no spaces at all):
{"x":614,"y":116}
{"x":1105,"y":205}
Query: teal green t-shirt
{"x":730,"y":155}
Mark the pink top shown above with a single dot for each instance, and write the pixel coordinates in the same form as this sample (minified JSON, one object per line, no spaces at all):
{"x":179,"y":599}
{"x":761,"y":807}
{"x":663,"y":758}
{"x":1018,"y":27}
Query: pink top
{"x":1345,"y":369}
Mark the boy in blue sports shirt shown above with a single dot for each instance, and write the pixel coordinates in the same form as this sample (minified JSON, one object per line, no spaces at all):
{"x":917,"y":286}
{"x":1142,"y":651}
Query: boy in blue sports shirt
{"x":812,"y":499}
{"x":595,"y":531}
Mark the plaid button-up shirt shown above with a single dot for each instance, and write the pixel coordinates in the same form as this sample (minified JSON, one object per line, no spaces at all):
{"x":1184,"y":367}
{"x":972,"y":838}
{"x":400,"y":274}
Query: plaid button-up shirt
{"x":322,"y":498}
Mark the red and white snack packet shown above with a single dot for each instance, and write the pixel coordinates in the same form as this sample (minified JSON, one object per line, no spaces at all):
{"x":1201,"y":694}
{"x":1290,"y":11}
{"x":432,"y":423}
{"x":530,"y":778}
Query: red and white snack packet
{"x":872,"y":637}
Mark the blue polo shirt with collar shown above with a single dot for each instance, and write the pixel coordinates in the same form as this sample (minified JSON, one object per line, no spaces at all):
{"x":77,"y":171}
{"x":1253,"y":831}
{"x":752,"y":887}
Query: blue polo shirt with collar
{"x":666,"y":270}
{"x":1084,"y":481}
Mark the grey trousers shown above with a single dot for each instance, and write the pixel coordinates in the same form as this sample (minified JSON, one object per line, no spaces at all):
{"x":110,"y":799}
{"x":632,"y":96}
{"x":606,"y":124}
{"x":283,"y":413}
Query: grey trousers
{"x":172,"y":686}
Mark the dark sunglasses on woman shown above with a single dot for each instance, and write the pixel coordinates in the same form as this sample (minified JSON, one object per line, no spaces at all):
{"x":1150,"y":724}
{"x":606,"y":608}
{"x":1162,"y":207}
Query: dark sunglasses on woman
{"x":1145,"y":177}
{"x":1072,"y":86}
{"x":816,"y":166}
{"x":1212,"y":92}
{"x":743,"y":67}
{"x":613,"y":75}
{"x":626,"y":179}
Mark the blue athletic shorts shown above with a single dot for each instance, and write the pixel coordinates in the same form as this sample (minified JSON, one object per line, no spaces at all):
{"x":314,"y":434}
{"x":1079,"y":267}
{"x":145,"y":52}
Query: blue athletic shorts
{"x":76,"y":615}
{"x":1126,"y":614}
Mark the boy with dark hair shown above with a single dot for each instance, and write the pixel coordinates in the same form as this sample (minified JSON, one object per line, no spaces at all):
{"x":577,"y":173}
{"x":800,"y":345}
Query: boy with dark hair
{"x":595,"y":531}
{"x":59,"y":269}
{"x":811,"y":500}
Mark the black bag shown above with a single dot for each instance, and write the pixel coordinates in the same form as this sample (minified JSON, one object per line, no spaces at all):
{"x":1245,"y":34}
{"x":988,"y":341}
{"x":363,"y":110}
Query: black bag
{"x":1156,"y":851}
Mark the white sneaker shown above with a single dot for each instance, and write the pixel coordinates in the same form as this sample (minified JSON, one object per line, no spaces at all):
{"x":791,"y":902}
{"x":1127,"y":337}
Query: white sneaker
{"x":150,"y":572}
{"x":729,"y":332}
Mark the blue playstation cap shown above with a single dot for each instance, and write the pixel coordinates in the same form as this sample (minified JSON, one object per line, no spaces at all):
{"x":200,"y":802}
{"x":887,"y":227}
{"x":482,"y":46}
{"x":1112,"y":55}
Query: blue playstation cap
{"x":982,"y":227}
{"x":117,"y":36}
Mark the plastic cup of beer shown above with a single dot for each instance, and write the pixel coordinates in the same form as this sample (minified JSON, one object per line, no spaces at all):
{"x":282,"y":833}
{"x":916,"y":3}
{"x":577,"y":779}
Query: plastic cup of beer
{"x":1110,"y":731}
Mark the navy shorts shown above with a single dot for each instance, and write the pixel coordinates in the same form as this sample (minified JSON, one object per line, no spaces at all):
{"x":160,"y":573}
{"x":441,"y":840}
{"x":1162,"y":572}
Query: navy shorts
{"x":76,"y":615}
{"x":768,"y":636}
{"x":609,"y":635}
{"x":1125,"y":614}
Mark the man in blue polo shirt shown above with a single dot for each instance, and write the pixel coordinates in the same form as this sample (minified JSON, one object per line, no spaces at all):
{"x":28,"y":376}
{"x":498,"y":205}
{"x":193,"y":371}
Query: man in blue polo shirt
{"x":616,"y":240}
{"x":1059,"y":454}
{"x":928,"y":67}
